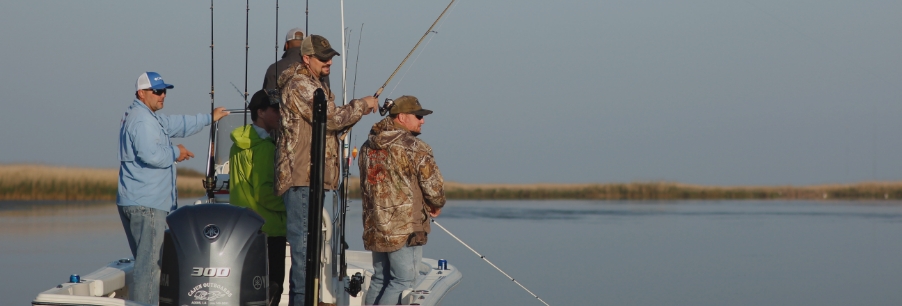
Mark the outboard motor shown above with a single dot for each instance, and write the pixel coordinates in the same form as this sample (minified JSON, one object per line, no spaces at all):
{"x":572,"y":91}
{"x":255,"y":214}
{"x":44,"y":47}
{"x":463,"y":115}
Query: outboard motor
{"x":214,"y":254}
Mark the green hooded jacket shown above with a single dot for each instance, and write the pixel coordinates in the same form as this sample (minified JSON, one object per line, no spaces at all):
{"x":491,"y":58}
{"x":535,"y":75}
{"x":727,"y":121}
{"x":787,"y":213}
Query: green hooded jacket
{"x":251,"y":163}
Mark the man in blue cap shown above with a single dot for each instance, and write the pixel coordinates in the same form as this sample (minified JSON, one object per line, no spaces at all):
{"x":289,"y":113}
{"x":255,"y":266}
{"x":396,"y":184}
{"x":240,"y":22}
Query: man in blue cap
{"x":147,"y":190}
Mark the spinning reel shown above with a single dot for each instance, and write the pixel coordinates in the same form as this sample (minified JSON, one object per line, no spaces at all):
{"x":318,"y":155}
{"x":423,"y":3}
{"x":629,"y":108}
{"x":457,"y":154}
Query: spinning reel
{"x":386,"y":107}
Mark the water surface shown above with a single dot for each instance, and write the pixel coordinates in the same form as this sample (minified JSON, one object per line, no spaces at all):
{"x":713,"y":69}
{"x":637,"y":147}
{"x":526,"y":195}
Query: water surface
{"x":567,"y":252}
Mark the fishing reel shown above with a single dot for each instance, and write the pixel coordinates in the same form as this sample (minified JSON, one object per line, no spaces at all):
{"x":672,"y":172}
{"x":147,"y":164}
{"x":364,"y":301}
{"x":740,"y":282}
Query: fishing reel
{"x":385,"y":108}
{"x":355,"y":285}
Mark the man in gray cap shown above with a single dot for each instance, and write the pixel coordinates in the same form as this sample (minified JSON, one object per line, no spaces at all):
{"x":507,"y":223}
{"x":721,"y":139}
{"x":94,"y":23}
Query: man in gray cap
{"x":292,"y":55}
{"x":401,"y":188}
{"x":298,"y":83}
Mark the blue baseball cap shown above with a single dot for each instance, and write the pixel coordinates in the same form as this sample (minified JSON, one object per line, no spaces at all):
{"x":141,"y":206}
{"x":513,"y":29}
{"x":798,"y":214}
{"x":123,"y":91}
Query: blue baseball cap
{"x":151,"y":80}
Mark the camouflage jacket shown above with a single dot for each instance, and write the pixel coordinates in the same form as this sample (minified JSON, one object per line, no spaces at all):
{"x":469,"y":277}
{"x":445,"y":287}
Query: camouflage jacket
{"x":399,"y":177}
{"x":295,"y":133}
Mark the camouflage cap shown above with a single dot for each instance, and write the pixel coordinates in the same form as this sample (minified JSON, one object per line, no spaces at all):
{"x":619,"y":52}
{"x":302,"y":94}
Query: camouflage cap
{"x":318,"y":46}
{"x":408,"y":105}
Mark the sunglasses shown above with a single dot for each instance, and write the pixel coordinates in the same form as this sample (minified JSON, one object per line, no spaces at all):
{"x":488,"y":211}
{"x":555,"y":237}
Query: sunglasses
{"x":159,"y":92}
{"x":419,"y":117}
{"x":322,"y":59}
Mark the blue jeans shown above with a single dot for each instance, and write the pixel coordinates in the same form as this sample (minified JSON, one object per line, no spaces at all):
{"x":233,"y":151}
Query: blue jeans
{"x":393,"y":272}
{"x":144,"y":228}
{"x":297,"y":202}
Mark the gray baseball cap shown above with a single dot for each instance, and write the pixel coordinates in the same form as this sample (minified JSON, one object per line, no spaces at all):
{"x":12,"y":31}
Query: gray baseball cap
{"x":294,"y":34}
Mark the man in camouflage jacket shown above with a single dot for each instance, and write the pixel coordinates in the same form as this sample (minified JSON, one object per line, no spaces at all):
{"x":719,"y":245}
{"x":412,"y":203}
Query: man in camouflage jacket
{"x":292,"y":172}
{"x":402,"y":188}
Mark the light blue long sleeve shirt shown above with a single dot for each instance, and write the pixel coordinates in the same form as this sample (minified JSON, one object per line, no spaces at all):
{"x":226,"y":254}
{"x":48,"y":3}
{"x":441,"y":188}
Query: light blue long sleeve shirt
{"x":147,"y":155}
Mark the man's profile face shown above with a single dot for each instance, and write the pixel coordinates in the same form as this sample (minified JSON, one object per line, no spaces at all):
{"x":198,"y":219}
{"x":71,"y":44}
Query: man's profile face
{"x":270,"y":118}
{"x":153,"y":98}
{"x":413,"y":123}
{"x":318,"y":67}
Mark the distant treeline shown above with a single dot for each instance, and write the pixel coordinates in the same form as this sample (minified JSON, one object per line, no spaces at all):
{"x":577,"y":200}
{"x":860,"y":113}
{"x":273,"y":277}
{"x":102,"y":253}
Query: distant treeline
{"x":41,"y":182}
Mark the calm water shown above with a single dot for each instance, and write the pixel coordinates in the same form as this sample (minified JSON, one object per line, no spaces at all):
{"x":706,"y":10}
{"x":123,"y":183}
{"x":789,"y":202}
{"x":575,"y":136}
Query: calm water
{"x":567,"y":252}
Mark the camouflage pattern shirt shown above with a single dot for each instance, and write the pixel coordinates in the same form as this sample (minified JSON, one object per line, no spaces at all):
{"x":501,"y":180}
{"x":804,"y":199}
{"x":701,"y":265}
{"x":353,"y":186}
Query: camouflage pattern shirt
{"x":399,"y":178}
{"x":296,"y":131}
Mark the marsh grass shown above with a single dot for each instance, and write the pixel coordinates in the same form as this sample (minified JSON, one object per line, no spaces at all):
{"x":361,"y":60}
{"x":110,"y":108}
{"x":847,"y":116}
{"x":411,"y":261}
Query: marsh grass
{"x":666,"y":191}
{"x":43,"y":182}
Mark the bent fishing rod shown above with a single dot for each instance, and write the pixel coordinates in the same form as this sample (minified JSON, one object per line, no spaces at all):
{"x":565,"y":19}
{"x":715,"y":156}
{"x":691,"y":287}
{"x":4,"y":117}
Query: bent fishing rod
{"x":490,"y":263}
{"x":388,"y":103}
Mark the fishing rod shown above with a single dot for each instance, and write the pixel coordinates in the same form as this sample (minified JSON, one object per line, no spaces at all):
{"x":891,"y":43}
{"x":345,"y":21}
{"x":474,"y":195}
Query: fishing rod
{"x":247,"y":20}
{"x":347,"y":158}
{"x":490,"y":263}
{"x":315,"y":209}
{"x":210,"y":181}
{"x":388,"y":103}
{"x":345,"y":165}
{"x":276,"y":46}
{"x":240,"y":94}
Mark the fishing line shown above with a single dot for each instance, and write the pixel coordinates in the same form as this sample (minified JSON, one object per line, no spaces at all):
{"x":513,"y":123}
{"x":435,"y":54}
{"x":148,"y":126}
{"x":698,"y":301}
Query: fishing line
{"x":384,"y":109}
{"x":357,"y":62}
{"x":490,"y":263}
{"x":418,"y":55}
{"x":412,"y":64}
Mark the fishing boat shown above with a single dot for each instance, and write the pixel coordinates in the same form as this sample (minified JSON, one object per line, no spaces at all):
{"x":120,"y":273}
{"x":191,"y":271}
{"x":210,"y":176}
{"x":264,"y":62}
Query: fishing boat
{"x":344,"y":275}
{"x":109,"y":284}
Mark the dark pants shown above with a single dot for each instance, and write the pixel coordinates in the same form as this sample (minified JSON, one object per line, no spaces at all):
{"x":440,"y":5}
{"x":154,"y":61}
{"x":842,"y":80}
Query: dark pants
{"x":276,"y":251}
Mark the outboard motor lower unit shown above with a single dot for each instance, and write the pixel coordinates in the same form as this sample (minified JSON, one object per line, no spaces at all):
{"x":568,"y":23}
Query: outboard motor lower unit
{"x":214,"y":254}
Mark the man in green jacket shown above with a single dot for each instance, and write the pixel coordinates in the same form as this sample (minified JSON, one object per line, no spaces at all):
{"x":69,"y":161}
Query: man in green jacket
{"x":251,"y":164}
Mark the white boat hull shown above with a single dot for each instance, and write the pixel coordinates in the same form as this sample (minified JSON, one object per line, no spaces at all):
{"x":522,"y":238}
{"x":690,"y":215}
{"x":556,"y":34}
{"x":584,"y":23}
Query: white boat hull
{"x":108,"y":286}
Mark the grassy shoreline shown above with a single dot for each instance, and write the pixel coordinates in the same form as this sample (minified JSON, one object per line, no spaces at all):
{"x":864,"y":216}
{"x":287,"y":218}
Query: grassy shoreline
{"x":43,"y":182}
{"x":668,"y":191}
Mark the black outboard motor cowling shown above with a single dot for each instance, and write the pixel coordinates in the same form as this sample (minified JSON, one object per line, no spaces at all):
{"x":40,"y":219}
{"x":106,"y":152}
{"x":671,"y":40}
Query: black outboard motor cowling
{"x":214,"y":254}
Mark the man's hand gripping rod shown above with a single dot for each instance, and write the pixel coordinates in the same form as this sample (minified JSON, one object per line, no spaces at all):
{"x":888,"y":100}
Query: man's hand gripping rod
{"x":389,"y":103}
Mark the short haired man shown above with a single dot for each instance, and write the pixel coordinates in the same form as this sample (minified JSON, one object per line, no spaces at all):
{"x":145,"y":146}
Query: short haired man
{"x":291,"y":55}
{"x":146,"y":192}
{"x":401,"y":188}
{"x":251,"y":163}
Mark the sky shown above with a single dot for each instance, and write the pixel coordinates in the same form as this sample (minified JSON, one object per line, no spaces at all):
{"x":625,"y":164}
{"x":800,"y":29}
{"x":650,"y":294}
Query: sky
{"x":769,"y":92}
